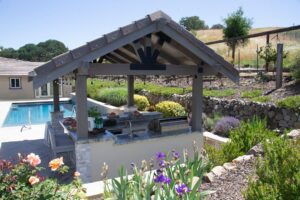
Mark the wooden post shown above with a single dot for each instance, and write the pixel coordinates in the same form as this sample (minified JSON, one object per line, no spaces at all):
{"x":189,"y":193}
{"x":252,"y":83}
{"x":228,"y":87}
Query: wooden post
{"x":197,"y":103}
{"x":267,"y":43}
{"x":56,"y":95}
{"x":279,"y":63}
{"x":81,"y":101}
{"x":239,"y":59}
{"x":257,"y":58}
{"x":130,"y":89}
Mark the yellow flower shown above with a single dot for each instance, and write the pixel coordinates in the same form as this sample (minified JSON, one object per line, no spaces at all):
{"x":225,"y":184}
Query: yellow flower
{"x":33,"y":180}
{"x":33,"y":159}
{"x":56,"y":163}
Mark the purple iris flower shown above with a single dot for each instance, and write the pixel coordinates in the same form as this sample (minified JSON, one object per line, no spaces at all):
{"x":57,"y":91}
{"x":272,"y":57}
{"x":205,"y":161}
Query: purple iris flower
{"x":162,"y":179}
{"x":162,"y":164}
{"x":160,"y":156}
{"x":181,"y":189}
{"x":176,"y":155}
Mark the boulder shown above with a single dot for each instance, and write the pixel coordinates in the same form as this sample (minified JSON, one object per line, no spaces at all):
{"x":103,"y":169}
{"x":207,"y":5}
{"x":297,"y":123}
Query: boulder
{"x":294,"y":134}
{"x":218,"y":170}
{"x":229,"y":166}
{"x":256,"y":150}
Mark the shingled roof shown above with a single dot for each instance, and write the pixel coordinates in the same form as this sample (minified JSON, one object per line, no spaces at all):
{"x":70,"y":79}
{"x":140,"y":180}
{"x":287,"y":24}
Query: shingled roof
{"x":181,"y":48}
{"x":14,"y":67}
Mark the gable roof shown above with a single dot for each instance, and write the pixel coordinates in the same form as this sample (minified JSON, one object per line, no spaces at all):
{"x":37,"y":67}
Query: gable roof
{"x":14,"y":67}
{"x":182,"y":48}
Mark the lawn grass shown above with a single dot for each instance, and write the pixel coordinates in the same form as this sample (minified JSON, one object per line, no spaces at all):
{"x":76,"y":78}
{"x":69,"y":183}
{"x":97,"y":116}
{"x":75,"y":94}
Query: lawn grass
{"x":291,"y":102}
{"x":219,"y":93}
{"x":261,"y":99}
{"x":251,"y":94}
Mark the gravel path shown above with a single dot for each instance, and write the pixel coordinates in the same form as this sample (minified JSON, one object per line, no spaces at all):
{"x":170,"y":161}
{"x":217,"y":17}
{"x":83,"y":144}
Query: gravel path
{"x":231,"y":184}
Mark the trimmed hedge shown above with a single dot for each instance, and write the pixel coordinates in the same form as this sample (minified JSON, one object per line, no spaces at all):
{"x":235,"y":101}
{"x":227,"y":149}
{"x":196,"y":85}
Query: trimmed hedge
{"x":170,"y":109}
{"x":141,"y":102}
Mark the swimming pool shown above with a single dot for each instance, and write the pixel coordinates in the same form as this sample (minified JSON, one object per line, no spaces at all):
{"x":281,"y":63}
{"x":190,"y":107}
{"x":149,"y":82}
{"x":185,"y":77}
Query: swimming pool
{"x":39,"y":113}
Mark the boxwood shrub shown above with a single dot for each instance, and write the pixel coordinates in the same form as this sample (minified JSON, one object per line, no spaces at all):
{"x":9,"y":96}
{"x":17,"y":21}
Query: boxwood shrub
{"x":141,"y":102}
{"x":113,"y":96}
{"x":170,"y":109}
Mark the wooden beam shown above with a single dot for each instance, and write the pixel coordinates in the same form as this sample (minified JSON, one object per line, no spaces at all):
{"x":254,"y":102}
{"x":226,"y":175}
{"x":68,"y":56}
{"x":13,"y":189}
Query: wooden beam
{"x":131,"y":59}
{"x":197,"y":102}
{"x":56,"y":95}
{"x":124,"y":69}
{"x":130,"y":89}
{"x":81,"y":101}
{"x":116,"y":59}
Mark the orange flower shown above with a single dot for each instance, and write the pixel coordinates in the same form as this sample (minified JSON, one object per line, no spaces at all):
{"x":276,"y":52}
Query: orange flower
{"x":33,"y":159}
{"x":76,"y":174}
{"x":33,"y":180}
{"x":56,"y":163}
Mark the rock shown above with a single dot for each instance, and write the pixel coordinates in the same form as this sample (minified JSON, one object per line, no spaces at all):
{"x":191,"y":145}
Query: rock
{"x":218,"y":170}
{"x":229,"y":166}
{"x":244,"y":158}
{"x":256,"y":150}
{"x":209,"y":177}
{"x":195,"y":180}
{"x":294,"y":134}
{"x":297,"y":125}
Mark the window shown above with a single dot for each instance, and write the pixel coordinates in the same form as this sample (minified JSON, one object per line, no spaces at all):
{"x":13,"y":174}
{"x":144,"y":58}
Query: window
{"x":15,"y":83}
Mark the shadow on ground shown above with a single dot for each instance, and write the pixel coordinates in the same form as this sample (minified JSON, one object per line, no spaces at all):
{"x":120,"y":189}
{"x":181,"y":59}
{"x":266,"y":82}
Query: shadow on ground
{"x":10,"y":150}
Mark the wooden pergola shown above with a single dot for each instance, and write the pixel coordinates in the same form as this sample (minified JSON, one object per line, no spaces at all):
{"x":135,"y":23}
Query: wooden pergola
{"x":154,"y":45}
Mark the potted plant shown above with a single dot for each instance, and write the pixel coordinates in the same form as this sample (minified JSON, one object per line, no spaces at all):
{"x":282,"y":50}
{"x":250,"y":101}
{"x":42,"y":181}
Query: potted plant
{"x":93,"y":113}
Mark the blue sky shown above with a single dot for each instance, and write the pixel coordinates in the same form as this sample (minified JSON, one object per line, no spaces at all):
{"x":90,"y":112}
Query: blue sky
{"x":75,"y":22}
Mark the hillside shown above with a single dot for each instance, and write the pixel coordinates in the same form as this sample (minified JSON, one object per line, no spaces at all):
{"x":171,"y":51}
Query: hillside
{"x":291,"y":41}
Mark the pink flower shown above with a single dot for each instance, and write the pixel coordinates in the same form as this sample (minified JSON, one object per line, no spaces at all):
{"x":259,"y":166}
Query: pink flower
{"x":33,"y":159}
{"x":33,"y":180}
{"x":76,"y":174}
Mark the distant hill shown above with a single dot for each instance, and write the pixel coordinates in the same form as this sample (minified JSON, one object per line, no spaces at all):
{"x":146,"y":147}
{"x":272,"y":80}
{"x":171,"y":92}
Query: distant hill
{"x":291,"y":41}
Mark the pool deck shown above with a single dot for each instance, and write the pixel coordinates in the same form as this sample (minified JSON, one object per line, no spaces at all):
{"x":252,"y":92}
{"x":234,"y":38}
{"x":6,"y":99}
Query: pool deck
{"x":30,"y":140}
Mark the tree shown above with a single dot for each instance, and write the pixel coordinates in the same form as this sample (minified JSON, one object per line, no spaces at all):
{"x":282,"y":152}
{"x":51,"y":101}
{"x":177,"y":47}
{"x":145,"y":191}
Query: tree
{"x":50,"y":49}
{"x":43,"y":51}
{"x":236,"y":25}
{"x":269,"y":54}
{"x":192,"y":23}
{"x":217,"y":26}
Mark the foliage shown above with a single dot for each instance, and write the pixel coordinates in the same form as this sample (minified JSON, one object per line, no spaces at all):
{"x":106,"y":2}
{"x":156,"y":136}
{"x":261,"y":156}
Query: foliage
{"x":23,"y":180}
{"x":261,"y":99}
{"x":252,"y":93}
{"x":249,"y":133}
{"x":42,"y":52}
{"x":217,"y":26}
{"x":172,"y":180}
{"x":192,"y":23}
{"x":269,"y":54}
{"x":170,"y":109}
{"x":225,"y":125}
{"x":210,"y":122}
{"x":278,"y":172}
{"x":236,"y":25}
{"x":141,"y":102}
{"x":219,"y":93}
{"x":113,"y":96}
{"x":291,"y":102}
{"x":161,"y":90}
{"x":296,"y":69}
{"x":93,"y":112}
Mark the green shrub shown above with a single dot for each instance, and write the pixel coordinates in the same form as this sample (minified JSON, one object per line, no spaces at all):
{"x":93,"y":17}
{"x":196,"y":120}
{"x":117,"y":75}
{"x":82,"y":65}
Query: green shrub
{"x":278,"y":172}
{"x":141,"y":102}
{"x":170,"y":109}
{"x":210,"y":122}
{"x":113,"y":96}
{"x":155,"y":89}
{"x":219,"y":93}
{"x":261,"y":99}
{"x":296,"y":69}
{"x":249,"y":133}
{"x":291,"y":102}
{"x":251,"y":94}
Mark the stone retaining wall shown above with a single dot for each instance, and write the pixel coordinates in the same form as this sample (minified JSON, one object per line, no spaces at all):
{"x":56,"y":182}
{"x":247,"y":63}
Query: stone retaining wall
{"x":277,"y":117}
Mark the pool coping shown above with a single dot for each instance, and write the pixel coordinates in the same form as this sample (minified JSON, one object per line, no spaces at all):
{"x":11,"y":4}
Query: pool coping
{"x":6,"y":105}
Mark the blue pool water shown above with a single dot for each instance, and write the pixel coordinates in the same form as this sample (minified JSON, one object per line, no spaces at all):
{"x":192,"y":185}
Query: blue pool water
{"x":18,"y":114}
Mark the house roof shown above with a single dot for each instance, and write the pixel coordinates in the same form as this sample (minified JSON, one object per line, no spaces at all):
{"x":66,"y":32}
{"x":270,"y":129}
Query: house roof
{"x":14,"y":67}
{"x":180,"y":48}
